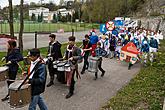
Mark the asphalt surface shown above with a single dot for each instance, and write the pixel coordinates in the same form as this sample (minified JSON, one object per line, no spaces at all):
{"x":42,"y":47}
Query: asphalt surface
{"x":43,"y":39}
{"x":89,"y":94}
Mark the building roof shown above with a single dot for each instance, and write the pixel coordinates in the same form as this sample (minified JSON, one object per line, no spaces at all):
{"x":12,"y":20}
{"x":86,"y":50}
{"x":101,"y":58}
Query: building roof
{"x":130,"y":47}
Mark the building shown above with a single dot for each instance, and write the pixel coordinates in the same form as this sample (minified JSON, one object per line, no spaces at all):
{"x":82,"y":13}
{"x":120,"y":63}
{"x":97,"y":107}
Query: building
{"x":38,"y":11}
{"x":48,"y":15}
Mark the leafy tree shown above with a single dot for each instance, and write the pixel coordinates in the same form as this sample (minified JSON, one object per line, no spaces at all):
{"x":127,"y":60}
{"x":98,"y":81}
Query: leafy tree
{"x":61,"y":2}
{"x":39,"y":18}
{"x":33,"y":17}
{"x":59,"y":16}
{"x":68,"y":17}
{"x":54,"y":18}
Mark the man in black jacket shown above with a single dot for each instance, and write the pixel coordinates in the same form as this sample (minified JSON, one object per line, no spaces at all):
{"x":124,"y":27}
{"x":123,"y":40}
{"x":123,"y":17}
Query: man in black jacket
{"x":54,"y":53}
{"x":37,"y":79}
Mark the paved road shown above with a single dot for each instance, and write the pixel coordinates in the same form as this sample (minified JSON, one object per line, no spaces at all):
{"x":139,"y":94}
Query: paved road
{"x":28,"y":39}
{"x":89,"y":94}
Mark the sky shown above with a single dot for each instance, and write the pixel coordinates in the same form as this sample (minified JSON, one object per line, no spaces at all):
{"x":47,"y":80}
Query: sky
{"x":4,"y":3}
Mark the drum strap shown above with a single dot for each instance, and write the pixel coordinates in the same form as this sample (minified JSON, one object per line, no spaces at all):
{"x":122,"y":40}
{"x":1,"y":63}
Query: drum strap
{"x":36,"y":66}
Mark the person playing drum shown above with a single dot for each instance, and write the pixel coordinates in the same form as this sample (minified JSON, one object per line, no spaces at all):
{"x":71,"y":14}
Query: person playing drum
{"x":54,"y":53}
{"x":73,"y":54}
{"x":37,"y":79}
{"x":12,"y":59}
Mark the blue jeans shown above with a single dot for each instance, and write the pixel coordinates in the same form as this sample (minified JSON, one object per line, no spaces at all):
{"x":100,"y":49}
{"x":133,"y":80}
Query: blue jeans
{"x":37,"y":99}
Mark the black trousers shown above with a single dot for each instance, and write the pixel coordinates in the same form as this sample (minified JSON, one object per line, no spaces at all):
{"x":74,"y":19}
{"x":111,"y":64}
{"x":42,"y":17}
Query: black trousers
{"x":52,"y":71}
{"x":71,"y":88}
{"x":86,"y":63}
{"x":99,"y":67}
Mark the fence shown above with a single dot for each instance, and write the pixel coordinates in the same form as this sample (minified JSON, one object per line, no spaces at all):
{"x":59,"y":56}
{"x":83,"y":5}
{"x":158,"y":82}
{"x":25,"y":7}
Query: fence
{"x":30,"y":27}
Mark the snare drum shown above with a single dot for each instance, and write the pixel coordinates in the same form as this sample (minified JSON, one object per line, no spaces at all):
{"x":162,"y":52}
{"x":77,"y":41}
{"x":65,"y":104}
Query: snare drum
{"x":3,"y":73}
{"x":55,"y":64}
{"x":19,"y":98}
{"x":93,"y":64}
{"x":67,"y":67}
{"x":60,"y":66}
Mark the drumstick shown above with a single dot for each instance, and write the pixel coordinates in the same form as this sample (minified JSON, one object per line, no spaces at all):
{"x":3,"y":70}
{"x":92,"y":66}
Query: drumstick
{"x":20,"y":67}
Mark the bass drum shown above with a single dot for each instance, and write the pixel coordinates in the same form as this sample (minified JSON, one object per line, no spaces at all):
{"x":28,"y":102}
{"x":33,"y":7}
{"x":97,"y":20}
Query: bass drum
{"x":19,"y":98}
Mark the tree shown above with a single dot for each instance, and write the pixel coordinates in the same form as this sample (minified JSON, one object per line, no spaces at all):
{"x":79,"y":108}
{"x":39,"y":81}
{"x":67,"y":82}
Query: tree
{"x":68,"y":17}
{"x":41,"y":17}
{"x":59,"y":16}
{"x":33,"y":17}
{"x":21,"y":26}
{"x":61,"y":2}
{"x":11,"y":18}
{"x":38,"y":18}
{"x":54,"y":18}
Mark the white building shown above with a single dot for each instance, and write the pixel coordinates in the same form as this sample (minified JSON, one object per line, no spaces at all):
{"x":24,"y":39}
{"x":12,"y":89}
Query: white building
{"x":38,"y":11}
{"x":48,"y":15}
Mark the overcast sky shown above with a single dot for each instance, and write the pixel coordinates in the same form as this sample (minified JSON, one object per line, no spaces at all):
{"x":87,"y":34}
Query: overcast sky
{"x":4,"y":3}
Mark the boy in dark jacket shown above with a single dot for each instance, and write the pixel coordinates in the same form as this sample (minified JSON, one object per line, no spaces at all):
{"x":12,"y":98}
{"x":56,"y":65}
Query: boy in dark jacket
{"x":54,"y":53}
{"x":37,"y":80}
{"x":12,"y":58}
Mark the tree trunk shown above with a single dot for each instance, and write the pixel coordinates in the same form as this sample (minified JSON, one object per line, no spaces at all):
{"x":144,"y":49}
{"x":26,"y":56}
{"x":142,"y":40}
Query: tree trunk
{"x":158,"y":25}
{"x":21,"y":26}
{"x":11,"y":18}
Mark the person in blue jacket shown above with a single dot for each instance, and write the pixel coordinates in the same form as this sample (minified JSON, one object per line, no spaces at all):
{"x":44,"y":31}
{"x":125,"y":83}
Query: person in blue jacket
{"x":12,"y":58}
{"x":100,"y":52}
{"x":93,"y":41}
{"x":37,"y":79}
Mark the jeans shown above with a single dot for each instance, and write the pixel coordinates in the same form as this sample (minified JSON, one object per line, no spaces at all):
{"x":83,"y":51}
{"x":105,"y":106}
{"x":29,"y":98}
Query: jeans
{"x":100,"y":68}
{"x":37,"y":99}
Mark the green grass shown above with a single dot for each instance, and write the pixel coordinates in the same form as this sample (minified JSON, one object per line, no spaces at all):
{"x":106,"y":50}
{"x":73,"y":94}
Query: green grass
{"x":49,"y":27}
{"x":146,"y":91}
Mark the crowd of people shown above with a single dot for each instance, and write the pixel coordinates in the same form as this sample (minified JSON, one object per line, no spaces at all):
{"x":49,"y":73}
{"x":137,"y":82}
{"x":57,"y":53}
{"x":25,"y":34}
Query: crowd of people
{"x":107,"y":45}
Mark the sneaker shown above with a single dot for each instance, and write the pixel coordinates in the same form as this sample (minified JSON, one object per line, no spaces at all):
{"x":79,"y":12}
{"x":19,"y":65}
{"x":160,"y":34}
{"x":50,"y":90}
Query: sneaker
{"x":68,"y":95}
{"x":102,"y":73}
{"x":50,"y":84}
{"x":5,"y":98}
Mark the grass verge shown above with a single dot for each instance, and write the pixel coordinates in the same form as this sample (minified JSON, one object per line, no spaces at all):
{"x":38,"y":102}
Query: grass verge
{"x":146,"y":91}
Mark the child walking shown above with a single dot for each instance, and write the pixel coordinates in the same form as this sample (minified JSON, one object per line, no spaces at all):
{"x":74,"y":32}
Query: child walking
{"x":99,"y":53}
